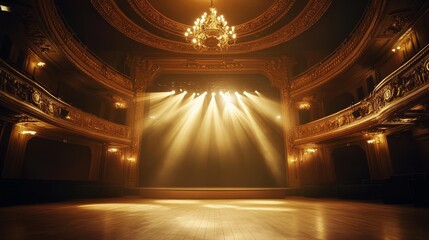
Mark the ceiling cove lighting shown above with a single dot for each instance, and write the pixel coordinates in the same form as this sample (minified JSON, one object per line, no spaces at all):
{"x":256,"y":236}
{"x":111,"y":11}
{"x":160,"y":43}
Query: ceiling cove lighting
{"x":211,"y":32}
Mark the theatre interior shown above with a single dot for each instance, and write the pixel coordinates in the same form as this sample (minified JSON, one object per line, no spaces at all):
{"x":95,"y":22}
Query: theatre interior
{"x":224,"y":119}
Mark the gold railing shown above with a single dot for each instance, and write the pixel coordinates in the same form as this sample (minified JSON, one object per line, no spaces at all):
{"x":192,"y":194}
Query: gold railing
{"x":400,"y":87}
{"x":21,"y":93}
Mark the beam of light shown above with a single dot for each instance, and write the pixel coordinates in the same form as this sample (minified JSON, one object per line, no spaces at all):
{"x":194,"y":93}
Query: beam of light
{"x":264,"y":105}
{"x":271,"y":155}
{"x":159,"y":109}
{"x":155,"y":96}
{"x":211,"y":128}
{"x":180,"y":137}
{"x":211,"y":132}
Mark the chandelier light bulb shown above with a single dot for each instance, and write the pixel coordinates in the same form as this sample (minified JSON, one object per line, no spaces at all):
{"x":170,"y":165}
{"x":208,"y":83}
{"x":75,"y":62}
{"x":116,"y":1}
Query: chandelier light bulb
{"x":211,"y":32}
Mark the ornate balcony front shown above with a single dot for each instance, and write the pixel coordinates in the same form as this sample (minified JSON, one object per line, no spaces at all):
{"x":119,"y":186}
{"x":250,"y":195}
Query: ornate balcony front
{"x":397,"y":92}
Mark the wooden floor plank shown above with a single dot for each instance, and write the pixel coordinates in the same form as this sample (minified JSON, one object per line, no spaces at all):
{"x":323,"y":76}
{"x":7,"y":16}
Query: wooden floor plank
{"x":291,"y":218}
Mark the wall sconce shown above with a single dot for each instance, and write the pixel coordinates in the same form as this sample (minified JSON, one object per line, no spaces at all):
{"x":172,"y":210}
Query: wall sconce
{"x":131,"y":159}
{"x":303,"y":105}
{"x":120,"y":105}
{"x":397,"y":48}
{"x":310,"y":150}
{"x":374,"y":140}
{"x":39,"y":64}
{"x":28,"y":132}
{"x":113,"y":150}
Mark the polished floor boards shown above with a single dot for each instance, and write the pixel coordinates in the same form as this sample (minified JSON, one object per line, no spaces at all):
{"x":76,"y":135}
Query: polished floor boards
{"x":290,"y":218}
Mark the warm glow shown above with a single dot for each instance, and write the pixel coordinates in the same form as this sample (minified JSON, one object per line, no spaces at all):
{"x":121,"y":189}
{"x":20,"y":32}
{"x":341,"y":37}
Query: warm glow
{"x":28,"y":132}
{"x":41,"y":64}
{"x":310,"y":150}
{"x":206,"y":122}
{"x":113,"y":150}
{"x":211,"y":32}
{"x":120,"y":105}
{"x":303,"y":105}
{"x":370,"y":141}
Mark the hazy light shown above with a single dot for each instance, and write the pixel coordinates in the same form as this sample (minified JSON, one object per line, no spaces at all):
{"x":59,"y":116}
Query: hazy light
{"x":202,"y":125}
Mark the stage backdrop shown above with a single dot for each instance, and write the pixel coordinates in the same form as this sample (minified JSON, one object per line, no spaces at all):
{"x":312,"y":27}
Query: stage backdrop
{"x":213,"y":138}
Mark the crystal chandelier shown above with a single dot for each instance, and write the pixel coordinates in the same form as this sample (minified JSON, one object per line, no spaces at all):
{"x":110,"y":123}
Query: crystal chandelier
{"x":211,"y":32}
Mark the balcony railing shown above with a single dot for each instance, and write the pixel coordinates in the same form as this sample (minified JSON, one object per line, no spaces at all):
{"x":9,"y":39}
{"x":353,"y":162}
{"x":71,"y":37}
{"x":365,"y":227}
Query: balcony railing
{"x":24,"y":95}
{"x":395,"y":91}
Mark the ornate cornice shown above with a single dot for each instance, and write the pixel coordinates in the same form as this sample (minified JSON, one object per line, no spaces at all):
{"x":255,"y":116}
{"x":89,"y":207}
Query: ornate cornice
{"x":78,"y":54}
{"x":275,"y":69}
{"x":343,"y":57}
{"x":395,"y":92}
{"x":271,"y":16}
{"x":22,"y":94}
{"x":112,"y":14}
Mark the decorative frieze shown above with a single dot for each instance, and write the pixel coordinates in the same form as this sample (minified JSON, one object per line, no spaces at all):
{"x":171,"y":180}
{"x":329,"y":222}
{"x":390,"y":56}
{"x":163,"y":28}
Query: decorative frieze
{"x":275,"y":69}
{"x":36,"y":101}
{"x":411,"y":78}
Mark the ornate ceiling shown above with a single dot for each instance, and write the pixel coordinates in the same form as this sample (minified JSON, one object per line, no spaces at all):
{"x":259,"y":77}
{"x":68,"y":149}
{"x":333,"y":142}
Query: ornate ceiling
{"x":319,"y":38}
{"x":304,"y":29}
{"x":257,"y":30}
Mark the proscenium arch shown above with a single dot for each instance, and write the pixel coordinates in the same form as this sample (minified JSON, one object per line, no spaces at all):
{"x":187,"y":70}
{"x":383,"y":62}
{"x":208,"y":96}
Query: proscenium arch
{"x":178,"y":126}
{"x":276,"y":70}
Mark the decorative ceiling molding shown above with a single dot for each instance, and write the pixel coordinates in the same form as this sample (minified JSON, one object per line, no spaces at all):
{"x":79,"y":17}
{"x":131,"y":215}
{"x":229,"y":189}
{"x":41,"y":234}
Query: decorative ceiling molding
{"x":344,"y":56}
{"x":109,"y":10}
{"x":271,"y":16}
{"x":275,"y":69}
{"x":78,"y":54}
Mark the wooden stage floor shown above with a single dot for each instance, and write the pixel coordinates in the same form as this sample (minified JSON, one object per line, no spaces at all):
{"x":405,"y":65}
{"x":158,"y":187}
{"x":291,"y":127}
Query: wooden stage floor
{"x":290,"y":218}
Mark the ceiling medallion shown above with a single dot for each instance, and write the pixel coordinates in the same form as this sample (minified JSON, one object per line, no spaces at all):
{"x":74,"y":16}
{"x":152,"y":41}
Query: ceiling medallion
{"x":211,"y":32}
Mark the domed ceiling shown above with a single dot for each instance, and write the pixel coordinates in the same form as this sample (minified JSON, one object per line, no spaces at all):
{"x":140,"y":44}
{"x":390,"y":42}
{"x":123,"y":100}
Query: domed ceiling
{"x":305,"y":31}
